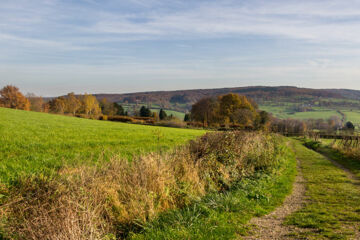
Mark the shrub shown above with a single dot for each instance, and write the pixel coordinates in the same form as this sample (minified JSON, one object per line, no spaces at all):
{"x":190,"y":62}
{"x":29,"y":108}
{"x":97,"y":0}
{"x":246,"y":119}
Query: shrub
{"x":120,"y":119}
{"x":172,"y":123}
{"x":103,"y":117}
{"x":195,"y":124}
{"x":314,"y":145}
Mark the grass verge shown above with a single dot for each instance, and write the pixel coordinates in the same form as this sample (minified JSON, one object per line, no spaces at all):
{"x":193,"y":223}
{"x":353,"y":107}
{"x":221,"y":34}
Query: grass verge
{"x":225,"y":215}
{"x":338,"y":153}
{"x":332,"y":203}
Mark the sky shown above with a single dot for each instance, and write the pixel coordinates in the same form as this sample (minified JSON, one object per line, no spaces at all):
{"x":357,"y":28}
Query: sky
{"x":52,"y":47}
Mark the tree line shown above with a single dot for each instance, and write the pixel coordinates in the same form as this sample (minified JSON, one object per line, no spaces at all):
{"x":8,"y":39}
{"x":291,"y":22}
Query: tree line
{"x":225,"y":111}
{"x":71,"y":104}
{"x":229,"y":110}
{"x":82,"y":105}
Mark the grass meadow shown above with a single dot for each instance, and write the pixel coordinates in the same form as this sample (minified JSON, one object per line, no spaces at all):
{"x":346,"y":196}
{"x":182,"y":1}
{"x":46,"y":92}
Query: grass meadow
{"x":317,"y":113}
{"x":34,"y":142}
{"x":353,"y":116}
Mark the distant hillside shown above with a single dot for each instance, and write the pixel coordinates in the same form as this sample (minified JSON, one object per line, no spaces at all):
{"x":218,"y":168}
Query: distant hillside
{"x":183,"y":99}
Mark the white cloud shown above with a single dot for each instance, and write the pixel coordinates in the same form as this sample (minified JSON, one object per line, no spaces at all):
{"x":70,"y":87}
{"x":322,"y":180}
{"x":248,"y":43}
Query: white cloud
{"x":323,"y":20}
{"x":73,"y":32}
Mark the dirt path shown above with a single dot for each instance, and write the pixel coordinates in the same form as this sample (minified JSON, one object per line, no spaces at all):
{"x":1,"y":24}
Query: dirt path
{"x":271,"y":226}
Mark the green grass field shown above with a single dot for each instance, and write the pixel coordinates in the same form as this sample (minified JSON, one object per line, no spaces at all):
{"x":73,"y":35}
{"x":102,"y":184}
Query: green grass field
{"x":37,"y":142}
{"x":154,"y":108}
{"x":353,"y":116}
{"x":319,"y":114}
{"x":179,"y":115}
{"x":284,"y":113}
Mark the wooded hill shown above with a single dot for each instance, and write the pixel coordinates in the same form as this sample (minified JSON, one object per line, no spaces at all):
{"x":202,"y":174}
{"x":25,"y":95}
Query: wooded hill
{"x":182,"y":100}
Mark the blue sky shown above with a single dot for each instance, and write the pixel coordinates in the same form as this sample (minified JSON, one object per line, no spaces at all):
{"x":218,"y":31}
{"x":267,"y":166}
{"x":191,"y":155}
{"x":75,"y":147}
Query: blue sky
{"x":52,"y":47}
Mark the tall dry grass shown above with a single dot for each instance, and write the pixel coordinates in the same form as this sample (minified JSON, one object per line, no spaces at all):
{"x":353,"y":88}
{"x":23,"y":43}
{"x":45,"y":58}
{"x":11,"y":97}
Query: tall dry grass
{"x":348,"y":147}
{"x":109,"y":201}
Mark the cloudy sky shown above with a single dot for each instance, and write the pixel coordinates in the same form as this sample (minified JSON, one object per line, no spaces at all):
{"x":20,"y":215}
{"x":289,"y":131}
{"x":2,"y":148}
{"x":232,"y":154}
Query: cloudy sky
{"x":51,"y":47}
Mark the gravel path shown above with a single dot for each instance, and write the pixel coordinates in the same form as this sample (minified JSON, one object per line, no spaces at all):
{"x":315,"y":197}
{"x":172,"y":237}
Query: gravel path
{"x":271,"y":226}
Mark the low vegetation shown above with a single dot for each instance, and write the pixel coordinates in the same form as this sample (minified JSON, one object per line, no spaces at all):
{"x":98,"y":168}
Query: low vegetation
{"x":225,"y":215}
{"x":116,"y":197}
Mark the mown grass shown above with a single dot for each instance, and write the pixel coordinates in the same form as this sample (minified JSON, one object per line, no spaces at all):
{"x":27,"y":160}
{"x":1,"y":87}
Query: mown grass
{"x":332,"y":207}
{"x":37,"y":142}
{"x":225,"y":215}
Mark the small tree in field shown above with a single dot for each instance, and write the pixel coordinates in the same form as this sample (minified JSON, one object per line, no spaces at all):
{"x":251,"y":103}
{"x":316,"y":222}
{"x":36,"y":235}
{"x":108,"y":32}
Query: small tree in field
{"x":11,"y":97}
{"x":119,"y":109}
{"x":187,"y":117}
{"x":349,"y":126}
{"x":145,"y":112}
{"x":162,"y":114}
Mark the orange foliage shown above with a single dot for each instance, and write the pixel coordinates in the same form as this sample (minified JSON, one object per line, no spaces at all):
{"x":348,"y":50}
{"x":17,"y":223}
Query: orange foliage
{"x":11,"y":97}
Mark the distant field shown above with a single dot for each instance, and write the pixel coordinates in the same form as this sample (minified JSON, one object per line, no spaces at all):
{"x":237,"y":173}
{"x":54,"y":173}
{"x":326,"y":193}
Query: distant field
{"x":177,"y":114}
{"x":38,"y":142}
{"x":353,"y":116}
{"x":283,"y":112}
{"x":154,"y":108}
{"x":318,"y":114}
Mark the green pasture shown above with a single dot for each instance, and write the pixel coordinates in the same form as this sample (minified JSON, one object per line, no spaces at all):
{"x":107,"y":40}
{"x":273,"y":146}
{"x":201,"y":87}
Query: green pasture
{"x":353,"y":116}
{"x":284,"y":112}
{"x":34,"y":142}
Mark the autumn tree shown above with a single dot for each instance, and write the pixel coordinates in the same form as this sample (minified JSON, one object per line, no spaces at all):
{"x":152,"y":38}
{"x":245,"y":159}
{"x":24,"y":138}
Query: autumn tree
{"x":335,"y":123}
{"x":205,"y":111}
{"x":263,"y":121}
{"x":155,"y":115}
{"x":11,"y":97}
{"x":73,"y":104}
{"x":90,"y":105}
{"x":236,"y":109}
{"x":58,"y":105}
{"x":36,"y":103}
{"x":107,"y":107}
